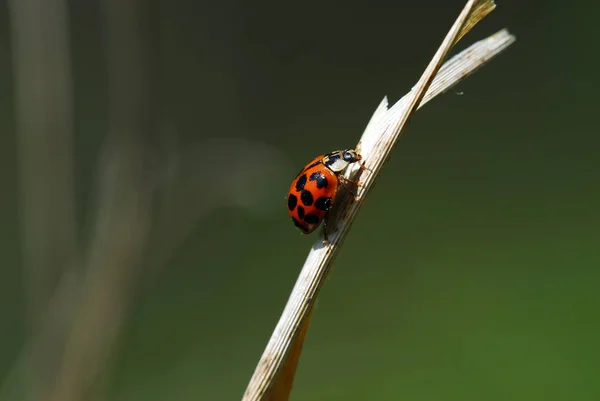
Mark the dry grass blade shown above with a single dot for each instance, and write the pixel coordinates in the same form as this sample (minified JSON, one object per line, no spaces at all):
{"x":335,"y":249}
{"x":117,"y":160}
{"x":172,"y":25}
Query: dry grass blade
{"x":381,"y":134}
{"x":479,"y":12}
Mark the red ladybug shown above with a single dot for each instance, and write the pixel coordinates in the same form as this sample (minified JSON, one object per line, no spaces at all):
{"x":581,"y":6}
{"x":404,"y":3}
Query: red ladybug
{"x":313,"y":191}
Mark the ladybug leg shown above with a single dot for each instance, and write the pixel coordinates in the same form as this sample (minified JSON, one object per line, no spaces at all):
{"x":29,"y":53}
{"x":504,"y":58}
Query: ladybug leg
{"x":346,"y":180}
{"x":325,"y":220}
{"x":356,"y":198}
{"x":363,"y":167}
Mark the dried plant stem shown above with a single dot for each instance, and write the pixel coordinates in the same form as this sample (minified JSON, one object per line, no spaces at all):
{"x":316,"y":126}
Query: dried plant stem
{"x":381,"y":134}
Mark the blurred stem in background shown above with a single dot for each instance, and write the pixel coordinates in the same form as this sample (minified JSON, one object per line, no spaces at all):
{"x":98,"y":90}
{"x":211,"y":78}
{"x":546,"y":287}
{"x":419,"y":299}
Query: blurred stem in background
{"x":43,"y":93}
{"x":44,"y":122}
{"x":145,"y":203}
{"x":75,"y":325}
{"x":124,"y":195}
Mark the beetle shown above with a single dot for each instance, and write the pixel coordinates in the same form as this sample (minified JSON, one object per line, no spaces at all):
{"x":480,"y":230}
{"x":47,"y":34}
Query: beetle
{"x":313,"y":191}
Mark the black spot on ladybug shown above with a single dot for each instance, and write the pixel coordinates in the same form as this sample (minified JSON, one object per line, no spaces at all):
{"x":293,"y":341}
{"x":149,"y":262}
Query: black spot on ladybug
{"x":301,"y":212}
{"x":311,"y":218}
{"x":306,"y":197}
{"x":299,"y":225}
{"x":301,"y":182}
{"x":320,"y":178}
{"x":323,"y":203}
{"x":332,"y":159}
{"x":292,"y":201}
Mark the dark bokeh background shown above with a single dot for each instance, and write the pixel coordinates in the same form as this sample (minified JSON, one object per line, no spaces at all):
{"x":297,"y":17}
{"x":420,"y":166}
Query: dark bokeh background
{"x":472,"y":271}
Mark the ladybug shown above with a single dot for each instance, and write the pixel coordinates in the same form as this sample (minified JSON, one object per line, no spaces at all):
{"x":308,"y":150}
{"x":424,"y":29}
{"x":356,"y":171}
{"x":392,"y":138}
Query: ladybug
{"x":313,"y":191}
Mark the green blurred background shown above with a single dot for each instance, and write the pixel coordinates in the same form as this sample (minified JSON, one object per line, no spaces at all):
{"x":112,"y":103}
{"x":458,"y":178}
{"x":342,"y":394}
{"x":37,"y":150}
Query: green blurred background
{"x":472,"y":271}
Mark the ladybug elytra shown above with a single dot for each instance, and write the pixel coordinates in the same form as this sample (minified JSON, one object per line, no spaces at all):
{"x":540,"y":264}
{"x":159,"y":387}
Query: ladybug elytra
{"x":313,"y":191}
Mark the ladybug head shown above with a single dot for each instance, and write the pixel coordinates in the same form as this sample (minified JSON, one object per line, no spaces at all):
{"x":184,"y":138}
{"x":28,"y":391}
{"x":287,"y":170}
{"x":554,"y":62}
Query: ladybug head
{"x":350,"y":156}
{"x":340,"y":159}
